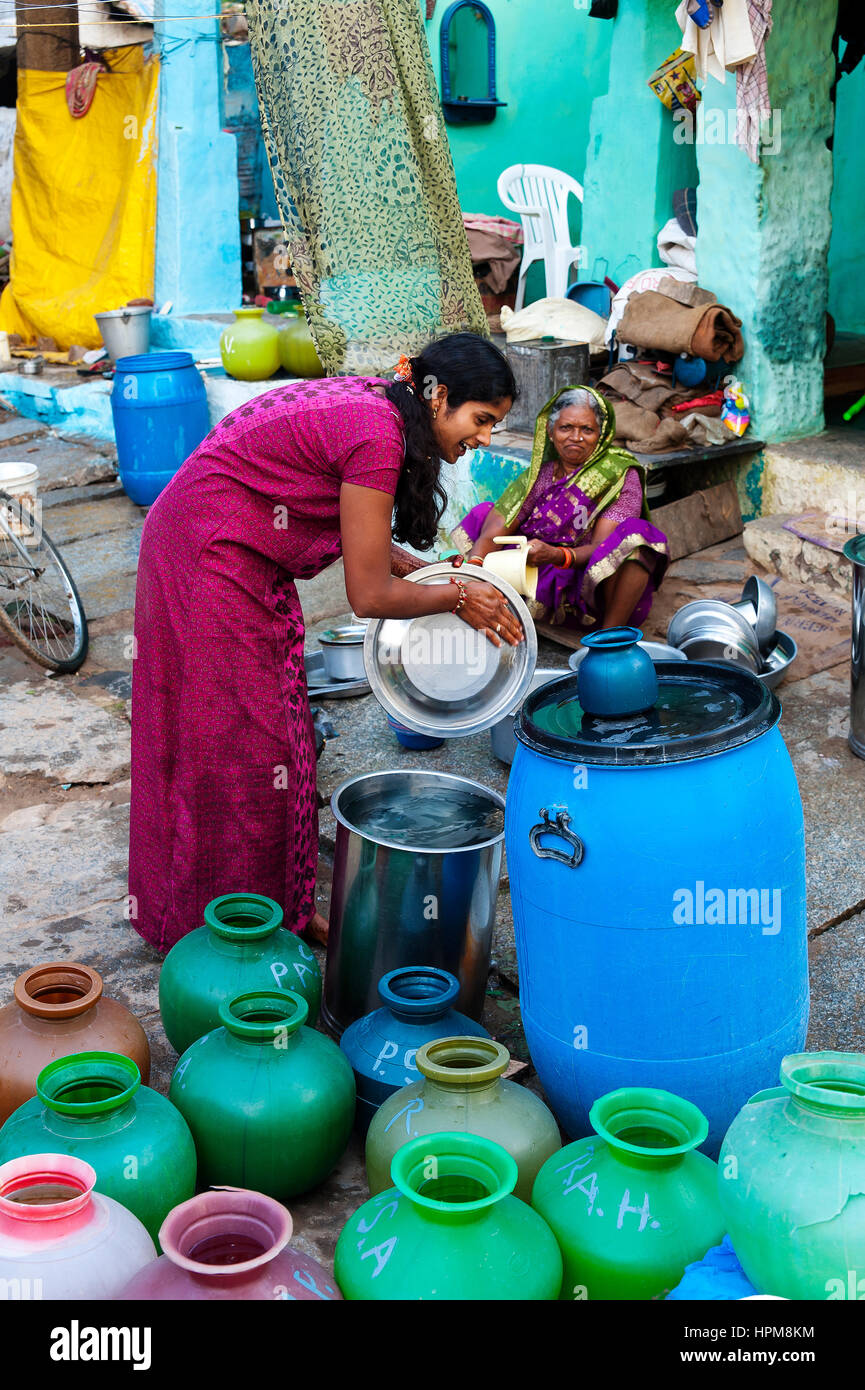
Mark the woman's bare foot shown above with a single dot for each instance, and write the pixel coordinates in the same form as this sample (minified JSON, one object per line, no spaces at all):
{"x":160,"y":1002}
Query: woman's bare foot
{"x":316,"y":929}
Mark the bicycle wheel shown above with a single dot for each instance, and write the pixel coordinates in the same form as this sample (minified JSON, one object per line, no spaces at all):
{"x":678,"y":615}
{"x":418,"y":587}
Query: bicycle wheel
{"x":40,"y":607}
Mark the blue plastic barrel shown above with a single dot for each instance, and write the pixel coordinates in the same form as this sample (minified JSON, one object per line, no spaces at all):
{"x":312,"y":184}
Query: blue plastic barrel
{"x":657,"y":872}
{"x":160,"y":415}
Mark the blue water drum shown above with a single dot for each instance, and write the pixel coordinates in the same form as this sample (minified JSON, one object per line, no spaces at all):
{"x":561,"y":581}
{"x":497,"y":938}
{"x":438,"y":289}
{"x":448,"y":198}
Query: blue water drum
{"x":160,"y":415}
{"x":657,"y":872}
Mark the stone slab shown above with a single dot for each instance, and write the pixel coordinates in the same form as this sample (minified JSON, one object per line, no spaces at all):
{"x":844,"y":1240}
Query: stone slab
{"x":46,"y":729}
{"x":782,"y":551}
{"x":88,"y":492}
{"x":63,"y":464}
{"x":825,"y":470}
{"x":16,"y":427}
{"x":99,"y":517}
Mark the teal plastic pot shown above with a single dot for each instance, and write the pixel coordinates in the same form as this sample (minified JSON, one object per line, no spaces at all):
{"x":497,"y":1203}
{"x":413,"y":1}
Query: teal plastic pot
{"x":449,"y":1229}
{"x":242,"y":946}
{"x":616,"y":677}
{"x":791,"y":1179}
{"x":270,"y":1102}
{"x":93,"y":1106}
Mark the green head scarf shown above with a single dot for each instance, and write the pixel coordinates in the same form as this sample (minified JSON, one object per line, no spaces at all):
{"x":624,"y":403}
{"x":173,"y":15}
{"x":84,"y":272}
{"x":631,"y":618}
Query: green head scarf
{"x":601,"y":477}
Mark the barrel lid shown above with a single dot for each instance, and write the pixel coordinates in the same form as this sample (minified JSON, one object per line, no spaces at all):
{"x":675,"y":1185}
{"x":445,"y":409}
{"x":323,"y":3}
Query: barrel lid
{"x":154,"y":362}
{"x":703,"y":707}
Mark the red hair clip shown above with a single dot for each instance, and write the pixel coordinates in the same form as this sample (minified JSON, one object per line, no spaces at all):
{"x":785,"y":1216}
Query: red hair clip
{"x":402,"y":371}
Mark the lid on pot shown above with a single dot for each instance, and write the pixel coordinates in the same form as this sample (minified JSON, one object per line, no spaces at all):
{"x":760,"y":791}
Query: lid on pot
{"x":437,"y":675}
{"x":702,"y":708}
{"x":350,"y":635}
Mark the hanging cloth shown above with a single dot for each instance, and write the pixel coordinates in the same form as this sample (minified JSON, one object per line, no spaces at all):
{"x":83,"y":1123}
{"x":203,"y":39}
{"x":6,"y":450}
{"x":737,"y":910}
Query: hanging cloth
{"x":752,"y":83}
{"x":363,"y":177}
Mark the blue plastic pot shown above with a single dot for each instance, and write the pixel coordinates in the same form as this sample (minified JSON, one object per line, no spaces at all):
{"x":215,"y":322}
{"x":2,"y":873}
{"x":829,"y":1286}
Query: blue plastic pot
{"x":409,"y":739}
{"x":159,"y":407}
{"x":616,"y":677}
{"x":417,"y":1008}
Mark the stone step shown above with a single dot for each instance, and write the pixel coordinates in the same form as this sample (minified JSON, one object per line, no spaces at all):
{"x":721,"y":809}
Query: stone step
{"x":825,"y":471}
{"x":805,"y":548}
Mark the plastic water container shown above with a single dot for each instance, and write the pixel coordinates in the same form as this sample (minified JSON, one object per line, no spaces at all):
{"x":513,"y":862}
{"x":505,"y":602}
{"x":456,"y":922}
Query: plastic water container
{"x":160,"y":416}
{"x":657,"y":873}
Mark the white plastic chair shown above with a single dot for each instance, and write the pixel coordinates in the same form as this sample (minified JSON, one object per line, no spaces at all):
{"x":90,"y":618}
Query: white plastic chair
{"x":540,"y":195}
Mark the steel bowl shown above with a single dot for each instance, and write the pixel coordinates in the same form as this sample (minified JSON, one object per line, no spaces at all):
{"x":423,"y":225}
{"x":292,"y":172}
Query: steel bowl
{"x":437,"y":675}
{"x":342,"y":650}
{"x":710,"y":630}
{"x":502,"y":738}
{"x":658,"y":651}
{"x":779,"y":659}
{"x":759,"y":607}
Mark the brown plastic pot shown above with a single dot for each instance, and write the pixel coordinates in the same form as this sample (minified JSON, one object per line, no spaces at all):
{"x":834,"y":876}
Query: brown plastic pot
{"x":59,"y":1009}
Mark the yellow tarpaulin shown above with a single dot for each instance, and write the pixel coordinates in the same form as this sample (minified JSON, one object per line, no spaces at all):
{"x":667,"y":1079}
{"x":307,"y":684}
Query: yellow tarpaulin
{"x":83,"y":201}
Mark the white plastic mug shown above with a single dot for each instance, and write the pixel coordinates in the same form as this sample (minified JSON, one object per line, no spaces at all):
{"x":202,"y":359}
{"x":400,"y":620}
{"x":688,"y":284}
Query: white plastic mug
{"x":512,"y":565}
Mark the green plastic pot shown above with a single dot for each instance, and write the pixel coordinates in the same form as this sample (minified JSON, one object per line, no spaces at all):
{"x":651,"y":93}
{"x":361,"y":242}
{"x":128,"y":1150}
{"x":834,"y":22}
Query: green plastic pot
{"x":463,"y":1091}
{"x":449,"y":1229}
{"x":633,"y":1206}
{"x":92,"y":1105}
{"x":249,"y":347}
{"x":791,"y":1175}
{"x":241,"y":947}
{"x":296,"y":347}
{"x":270,"y":1103}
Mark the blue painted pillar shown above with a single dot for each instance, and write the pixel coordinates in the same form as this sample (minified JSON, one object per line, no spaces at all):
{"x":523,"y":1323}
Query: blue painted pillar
{"x":633,"y":162}
{"x":763,"y":229}
{"x":197,"y":228}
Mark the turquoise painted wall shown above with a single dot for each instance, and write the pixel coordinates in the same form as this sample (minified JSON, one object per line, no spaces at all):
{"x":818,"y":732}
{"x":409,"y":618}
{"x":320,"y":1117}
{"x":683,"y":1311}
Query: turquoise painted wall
{"x":847,"y":246}
{"x":552,"y":60}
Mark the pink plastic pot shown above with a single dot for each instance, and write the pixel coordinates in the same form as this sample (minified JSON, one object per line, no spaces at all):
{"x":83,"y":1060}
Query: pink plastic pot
{"x":61,"y":1240}
{"x":230,"y":1243}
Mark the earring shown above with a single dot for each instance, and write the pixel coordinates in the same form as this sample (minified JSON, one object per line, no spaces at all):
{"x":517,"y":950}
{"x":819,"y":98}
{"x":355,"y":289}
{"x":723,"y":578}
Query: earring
{"x":435,"y":412}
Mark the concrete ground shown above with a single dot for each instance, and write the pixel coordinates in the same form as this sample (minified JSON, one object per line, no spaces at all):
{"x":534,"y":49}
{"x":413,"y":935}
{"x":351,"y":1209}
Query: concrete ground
{"x":64,"y":793}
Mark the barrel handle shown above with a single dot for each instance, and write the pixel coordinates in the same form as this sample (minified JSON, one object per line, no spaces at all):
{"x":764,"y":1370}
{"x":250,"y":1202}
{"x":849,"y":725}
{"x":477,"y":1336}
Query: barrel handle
{"x":561,"y":828}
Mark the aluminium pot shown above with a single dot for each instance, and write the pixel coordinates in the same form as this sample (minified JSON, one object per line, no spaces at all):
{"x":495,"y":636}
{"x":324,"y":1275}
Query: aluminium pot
{"x":413,"y":903}
{"x":342,"y":650}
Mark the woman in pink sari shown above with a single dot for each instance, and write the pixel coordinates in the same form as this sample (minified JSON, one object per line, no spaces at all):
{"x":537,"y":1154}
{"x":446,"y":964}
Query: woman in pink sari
{"x":223,"y":758}
{"x":582,"y":505}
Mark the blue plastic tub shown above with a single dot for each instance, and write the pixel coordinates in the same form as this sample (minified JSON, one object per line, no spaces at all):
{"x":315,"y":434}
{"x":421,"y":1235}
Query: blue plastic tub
{"x":657,"y":873}
{"x":159,"y":407}
{"x":409,"y":739}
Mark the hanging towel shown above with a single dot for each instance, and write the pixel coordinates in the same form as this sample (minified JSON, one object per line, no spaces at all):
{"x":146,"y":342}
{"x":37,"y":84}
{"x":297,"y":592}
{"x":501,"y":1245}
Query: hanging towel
{"x":724,"y":44}
{"x":752,"y":83}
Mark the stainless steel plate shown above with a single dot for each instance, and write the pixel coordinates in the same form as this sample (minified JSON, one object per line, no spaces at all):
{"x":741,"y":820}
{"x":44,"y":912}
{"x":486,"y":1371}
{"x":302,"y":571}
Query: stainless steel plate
{"x":321,"y":687}
{"x":437,"y":675}
{"x":762,"y":598}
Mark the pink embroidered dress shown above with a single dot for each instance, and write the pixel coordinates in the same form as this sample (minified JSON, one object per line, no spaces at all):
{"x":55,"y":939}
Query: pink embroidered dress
{"x":223,"y":759}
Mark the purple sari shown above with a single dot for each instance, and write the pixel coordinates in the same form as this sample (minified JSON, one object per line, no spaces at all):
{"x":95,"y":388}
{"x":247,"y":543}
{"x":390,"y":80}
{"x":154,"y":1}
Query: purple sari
{"x":560,"y":513}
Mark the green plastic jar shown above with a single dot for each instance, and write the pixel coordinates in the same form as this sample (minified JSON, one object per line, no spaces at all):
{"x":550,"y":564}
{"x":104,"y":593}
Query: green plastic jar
{"x":633,"y":1206}
{"x":791,"y":1175}
{"x":463,"y":1090}
{"x":242,"y":946}
{"x":270,"y":1103}
{"x":93,"y":1106}
{"x":249,"y":347}
{"x":449,"y":1229}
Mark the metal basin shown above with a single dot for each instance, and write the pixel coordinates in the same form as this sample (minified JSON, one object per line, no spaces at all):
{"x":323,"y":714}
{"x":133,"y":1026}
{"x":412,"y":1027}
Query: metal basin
{"x":658,"y":651}
{"x":437,"y":675}
{"x":342,"y":650}
{"x":709,"y":630}
{"x":429,"y":901}
{"x":779,"y":659}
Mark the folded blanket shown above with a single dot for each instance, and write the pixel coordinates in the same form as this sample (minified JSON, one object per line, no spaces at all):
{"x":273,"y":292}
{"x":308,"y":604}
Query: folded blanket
{"x":710,"y":331}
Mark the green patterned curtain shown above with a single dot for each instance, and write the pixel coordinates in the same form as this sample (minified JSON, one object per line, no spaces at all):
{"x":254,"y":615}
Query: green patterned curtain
{"x":364,"y":178}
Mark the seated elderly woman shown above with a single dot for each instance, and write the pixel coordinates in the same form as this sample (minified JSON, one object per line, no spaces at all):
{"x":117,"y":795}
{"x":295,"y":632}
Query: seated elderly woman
{"x":582,"y":505}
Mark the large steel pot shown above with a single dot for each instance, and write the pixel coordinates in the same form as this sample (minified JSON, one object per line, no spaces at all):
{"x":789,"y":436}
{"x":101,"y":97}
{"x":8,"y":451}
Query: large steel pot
{"x":394,"y":905}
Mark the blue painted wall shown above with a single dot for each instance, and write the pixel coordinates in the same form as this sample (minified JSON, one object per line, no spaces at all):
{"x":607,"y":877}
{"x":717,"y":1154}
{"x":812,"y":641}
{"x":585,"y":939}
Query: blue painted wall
{"x":847,"y":246}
